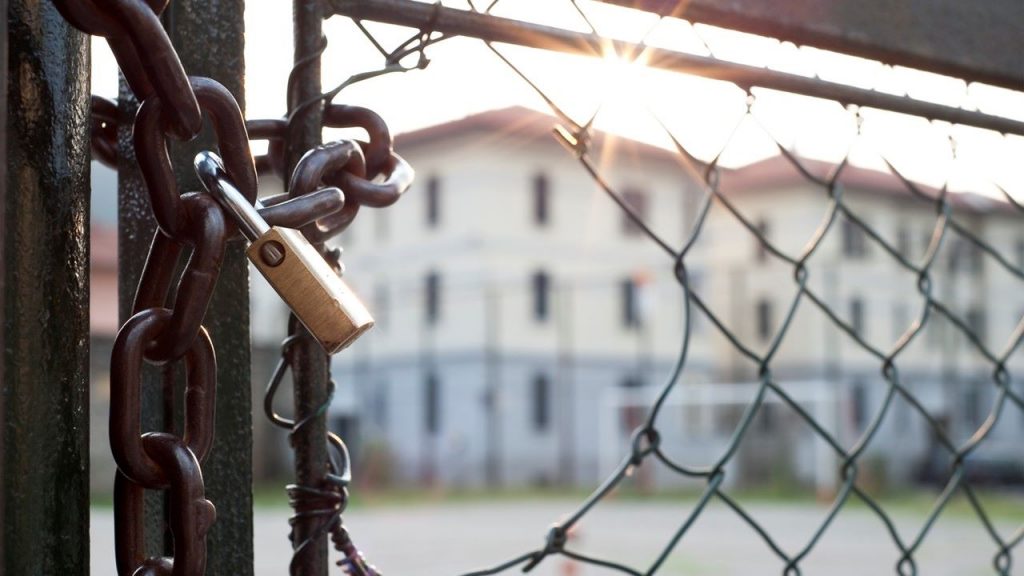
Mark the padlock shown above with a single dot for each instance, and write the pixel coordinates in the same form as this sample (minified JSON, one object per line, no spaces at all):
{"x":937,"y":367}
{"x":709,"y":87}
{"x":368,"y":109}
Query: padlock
{"x":302,"y":278}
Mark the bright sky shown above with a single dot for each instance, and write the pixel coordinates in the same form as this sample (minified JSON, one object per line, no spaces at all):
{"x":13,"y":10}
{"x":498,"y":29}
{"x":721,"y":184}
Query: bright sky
{"x":464,"y":77}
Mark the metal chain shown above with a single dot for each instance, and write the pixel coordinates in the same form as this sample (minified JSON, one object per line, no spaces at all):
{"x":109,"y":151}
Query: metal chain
{"x":173,"y":104}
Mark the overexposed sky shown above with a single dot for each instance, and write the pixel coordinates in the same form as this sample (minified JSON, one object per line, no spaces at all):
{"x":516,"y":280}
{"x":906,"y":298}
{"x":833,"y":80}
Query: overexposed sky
{"x":464,"y":77}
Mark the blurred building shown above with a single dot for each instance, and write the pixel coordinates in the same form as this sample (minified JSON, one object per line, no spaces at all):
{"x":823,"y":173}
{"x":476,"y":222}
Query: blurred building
{"x":509,"y":292}
{"x":525,"y":325}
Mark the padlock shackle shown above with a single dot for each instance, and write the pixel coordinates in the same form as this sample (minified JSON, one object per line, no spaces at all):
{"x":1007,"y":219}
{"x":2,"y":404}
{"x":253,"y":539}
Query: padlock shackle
{"x":215,"y":179}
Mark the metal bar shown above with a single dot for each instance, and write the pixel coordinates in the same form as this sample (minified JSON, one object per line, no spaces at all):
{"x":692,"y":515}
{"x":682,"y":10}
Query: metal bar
{"x":309,"y":361}
{"x":217,"y":51}
{"x":505,"y":30}
{"x":566,"y":383}
{"x":135,"y":229}
{"x":3,"y":260}
{"x":493,"y":464}
{"x":976,"y":41}
{"x":44,"y":363}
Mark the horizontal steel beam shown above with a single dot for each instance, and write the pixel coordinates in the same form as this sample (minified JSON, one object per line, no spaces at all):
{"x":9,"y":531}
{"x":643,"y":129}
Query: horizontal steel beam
{"x":975,"y":41}
{"x":496,"y":29}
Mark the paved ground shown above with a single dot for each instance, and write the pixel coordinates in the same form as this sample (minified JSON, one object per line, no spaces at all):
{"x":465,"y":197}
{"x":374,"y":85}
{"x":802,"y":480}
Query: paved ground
{"x":446,"y":539}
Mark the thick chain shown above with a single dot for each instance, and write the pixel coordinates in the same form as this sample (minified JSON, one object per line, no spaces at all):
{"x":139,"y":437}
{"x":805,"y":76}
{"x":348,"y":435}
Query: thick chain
{"x":174,"y":105}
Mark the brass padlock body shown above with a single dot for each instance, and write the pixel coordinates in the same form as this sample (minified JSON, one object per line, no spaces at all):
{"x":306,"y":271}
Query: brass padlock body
{"x":320,"y":299}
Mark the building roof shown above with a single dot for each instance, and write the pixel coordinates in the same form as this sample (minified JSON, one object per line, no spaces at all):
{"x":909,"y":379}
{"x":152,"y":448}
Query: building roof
{"x":520,"y":122}
{"x":774,"y":172}
{"x":778,"y":171}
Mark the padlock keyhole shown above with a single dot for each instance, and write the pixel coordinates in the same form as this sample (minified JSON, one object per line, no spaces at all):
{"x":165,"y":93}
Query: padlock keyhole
{"x":272,"y":253}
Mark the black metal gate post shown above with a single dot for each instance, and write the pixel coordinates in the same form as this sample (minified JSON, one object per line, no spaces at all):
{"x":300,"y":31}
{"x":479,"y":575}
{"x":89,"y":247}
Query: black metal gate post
{"x":209,"y":38}
{"x":135,"y":228}
{"x":44,"y":297}
{"x":309,"y":362}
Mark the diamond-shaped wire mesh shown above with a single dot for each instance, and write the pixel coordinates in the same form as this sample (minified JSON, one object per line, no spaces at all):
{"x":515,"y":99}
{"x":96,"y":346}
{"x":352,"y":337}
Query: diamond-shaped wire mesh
{"x":949,"y":232}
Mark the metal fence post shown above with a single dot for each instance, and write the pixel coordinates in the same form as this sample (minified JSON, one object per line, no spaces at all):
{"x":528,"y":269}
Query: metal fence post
{"x":309,"y":362}
{"x":44,"y":299}
{"x":209,"y":38}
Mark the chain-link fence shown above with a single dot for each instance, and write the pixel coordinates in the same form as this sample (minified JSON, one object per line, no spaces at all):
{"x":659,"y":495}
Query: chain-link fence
{"x":970,"y":240}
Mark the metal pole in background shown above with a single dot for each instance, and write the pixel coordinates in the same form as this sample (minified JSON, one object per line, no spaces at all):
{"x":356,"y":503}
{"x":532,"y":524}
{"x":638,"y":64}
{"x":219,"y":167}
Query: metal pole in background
{"x":209,"y":36}
{"x":3,"y":260}
{"x":216,"y":52}
{"x":135,"y":228}
{"x":492,"y":378}
{"x":309,"y":361}
{"x":565,"y":384}
{"x":44,"y":360}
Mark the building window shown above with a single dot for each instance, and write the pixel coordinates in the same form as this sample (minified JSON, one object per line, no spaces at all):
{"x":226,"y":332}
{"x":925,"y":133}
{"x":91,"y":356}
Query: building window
{"x":541,"y":396}
{"x":432,"y":297}
{"x":541,"y":199}
{"x":761,"y":251}
{"x":974,"y":414}
{"x":433,"y":202}
{"x":859,"y":408}
{"x":903,"y":241}
{"x":976,"y":323}
{"x":964,"y":255}
{"x":630,"y":304}
{"x":857,"y":316}
{"x":955,"y":254}
{"x":637,"y":201}
{"x":975,"y":258}
{"x":631,"y":382}
{"x":432,"y":404}
{"x":541,"y":296}
{"x":935,"y":329}
{"x":764,"y":320}
{"x":855,"y":243}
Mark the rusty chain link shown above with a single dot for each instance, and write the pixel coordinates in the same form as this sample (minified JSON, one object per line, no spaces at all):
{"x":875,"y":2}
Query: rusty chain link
{"x":174,"y":105}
